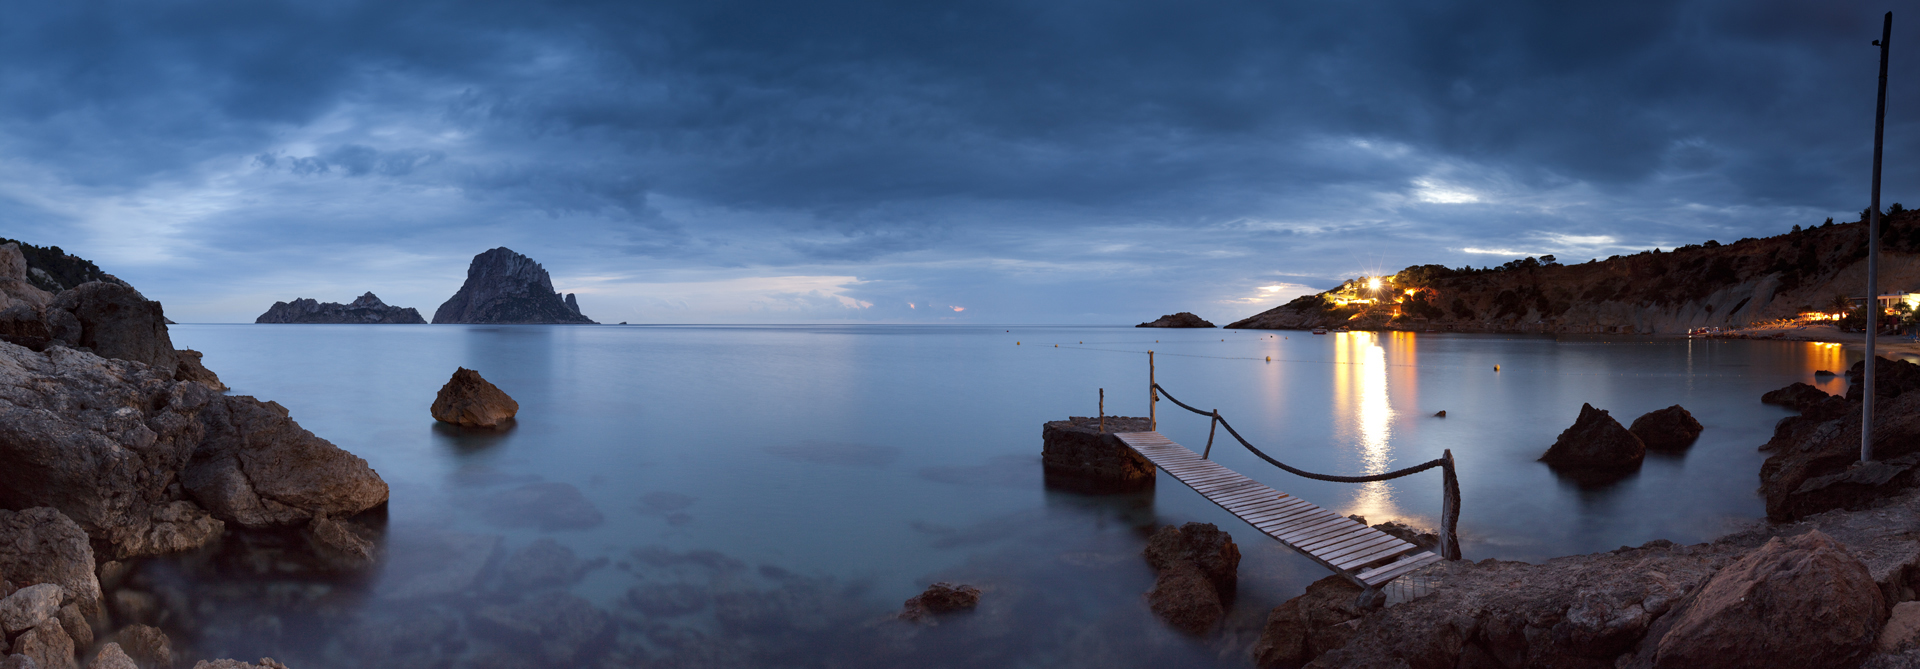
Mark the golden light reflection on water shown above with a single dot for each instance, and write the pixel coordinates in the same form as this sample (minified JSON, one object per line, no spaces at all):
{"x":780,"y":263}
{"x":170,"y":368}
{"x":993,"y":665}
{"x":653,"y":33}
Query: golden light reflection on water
{"x":1363,"y":410}
{"x":1829,"y":357}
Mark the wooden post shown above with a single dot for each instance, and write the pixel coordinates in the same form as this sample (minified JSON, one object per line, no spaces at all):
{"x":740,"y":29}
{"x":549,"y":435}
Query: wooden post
{"x":1103,"y":410}
{"x":1153,"y":397}
{"x":1873,"y":252}
{"x":1211,"y":424}
{"x":1449,"y":509}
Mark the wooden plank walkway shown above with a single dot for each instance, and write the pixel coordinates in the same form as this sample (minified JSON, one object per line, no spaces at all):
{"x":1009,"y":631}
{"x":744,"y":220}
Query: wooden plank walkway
{"x":1368,"y":557}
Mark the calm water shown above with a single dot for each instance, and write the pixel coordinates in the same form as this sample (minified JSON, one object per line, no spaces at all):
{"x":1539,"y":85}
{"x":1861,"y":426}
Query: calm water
{"x":766,"y":496}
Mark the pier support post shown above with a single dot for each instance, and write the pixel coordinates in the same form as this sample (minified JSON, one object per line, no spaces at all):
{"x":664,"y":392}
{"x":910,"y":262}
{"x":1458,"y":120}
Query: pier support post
{"x":1153,"y":397}
{"x":1449,"y":509}
{"x":1212,"y":424}
{"x":1103,"y":410}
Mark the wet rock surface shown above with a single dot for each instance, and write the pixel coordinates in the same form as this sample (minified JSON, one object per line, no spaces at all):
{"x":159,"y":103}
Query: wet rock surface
{"x":505,"y":287}
{"x":1077,"y":455}
{"x":1184,"y":319}
{"x":366,"y":310}
{"x":471,"y":401}
{"x":940,"y":598}
{"x":1308,"y":626}
{"x":1669,"y":429}
{"x":1198,"y":572}
{"x":1815,"y":463}
{"x":1596,"y":441}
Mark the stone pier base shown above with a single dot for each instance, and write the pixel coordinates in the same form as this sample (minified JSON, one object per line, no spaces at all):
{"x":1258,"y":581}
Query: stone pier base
{"x":1078,"y":456}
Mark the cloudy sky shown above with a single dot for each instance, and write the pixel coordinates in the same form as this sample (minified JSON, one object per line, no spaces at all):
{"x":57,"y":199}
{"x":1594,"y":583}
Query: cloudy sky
{"x":719,"y":161}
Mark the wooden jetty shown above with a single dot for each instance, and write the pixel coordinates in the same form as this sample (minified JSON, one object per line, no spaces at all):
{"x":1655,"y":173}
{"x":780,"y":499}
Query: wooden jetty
{"x":1368,"y":557}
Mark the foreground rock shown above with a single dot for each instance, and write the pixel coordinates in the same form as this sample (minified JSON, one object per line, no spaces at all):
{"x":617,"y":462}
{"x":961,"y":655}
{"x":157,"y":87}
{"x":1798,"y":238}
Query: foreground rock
{"x":1596,"y":441}
{"x":940,"y":598}
{"x":1198,"y":569}
{"x":1308,"y":626}
{"x":1669,"y":429}
{"x":1796,"y":602}
{"x":1622,"y":608}
{"x":506,"y":287}
{"x":1184,"y":319}
{"x":1797,"y":397}
{"x":366,"y":310}
{"x":472,"y":401}
{"x":1075,"y":454}
{"x":41,"y":545}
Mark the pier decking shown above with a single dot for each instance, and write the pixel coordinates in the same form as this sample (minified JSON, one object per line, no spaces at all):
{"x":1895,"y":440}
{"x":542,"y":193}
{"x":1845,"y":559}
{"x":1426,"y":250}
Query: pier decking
{"x":1368,"y":557}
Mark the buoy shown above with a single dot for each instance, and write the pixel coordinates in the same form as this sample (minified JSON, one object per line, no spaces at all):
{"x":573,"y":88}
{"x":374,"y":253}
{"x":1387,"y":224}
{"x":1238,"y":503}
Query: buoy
{"x":1496,"y":368}
{"x":1016,"y":343}
{"x":1269,"y":358}
{"x":1056,"y":346}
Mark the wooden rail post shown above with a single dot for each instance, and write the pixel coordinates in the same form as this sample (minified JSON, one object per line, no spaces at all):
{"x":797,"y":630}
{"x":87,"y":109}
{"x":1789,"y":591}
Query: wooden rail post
{"x":1449,"y":509}
{"x":1153,"y":397}
{"x":1211,"y":425}
{"x":1103,"y":410}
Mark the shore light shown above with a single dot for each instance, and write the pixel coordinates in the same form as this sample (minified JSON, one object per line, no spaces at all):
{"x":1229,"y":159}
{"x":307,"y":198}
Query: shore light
{"x":1374,"y":283}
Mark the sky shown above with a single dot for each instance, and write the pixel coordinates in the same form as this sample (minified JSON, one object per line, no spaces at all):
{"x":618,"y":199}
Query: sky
{"x":1100,"y":161}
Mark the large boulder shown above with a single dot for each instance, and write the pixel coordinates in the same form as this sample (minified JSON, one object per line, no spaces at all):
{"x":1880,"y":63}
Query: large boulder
{"x":506,"y":287}
{"x":472,"y":401}
{"x":259,"y":468}
{"x":1669,"y":429}
{"x":1797,"y":397}
{"x":116,"y":321}
{"x":1796,"y":602}
{"x":1596,"y":441}
{"x":1184,"y":319}
{"x":1198,"y":569}
{"x":41,"y":545}
{"x":1076,"y":454}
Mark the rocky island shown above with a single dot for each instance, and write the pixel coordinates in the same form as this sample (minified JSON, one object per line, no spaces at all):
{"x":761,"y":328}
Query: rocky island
{"x":367,"y":310}
{"x":1184,"y":319}
{"x":506,"y":287}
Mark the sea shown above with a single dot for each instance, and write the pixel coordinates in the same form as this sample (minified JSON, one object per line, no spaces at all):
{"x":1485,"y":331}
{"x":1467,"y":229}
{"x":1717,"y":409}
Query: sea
{"x":771,"y":495}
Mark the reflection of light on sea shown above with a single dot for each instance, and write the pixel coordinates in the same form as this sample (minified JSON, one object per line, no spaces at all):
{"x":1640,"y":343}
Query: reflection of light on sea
{"x":1363,"y":412}
{"x":1832,"y":358}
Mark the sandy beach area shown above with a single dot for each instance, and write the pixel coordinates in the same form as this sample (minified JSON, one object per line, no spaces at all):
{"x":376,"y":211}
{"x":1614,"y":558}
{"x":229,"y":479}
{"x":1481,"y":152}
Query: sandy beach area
{"x":1884,"y":345}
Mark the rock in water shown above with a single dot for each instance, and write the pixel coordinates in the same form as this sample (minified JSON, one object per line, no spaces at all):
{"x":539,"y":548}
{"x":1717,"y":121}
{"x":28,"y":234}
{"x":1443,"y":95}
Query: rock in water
{"x":506,"y":287}
{"x":368,"y":309}
{"x":1797,"y":397}
{"x":940,"y":598}
{"x":111,"y":657}
{"x":1596,"y":441}
{"x":472,"y":401}
{"x":1199,"y":570}
{"x":148,"y":646}
{"x":1184,"y":319}
{"x":259,"y":468}
{"x":1668,"y":429}
{"x":191,"y":369}
{"x":1306,"y":626}
{"x":265,"y":663}
{"x":1792,"y":603}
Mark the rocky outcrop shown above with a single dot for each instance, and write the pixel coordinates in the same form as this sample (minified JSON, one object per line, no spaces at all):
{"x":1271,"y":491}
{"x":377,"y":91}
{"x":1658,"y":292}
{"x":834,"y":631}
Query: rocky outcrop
{"x":1596,"y":441}
{"x":940,"y":598}
{"x":41,"y":545}
{"x":506,"y":287}
{"x":1076,"y":454}
{"x":147,"y":646}
{"x":1815,"y":463}
{"x":47,"y":645}
{"x":472,"y":401}
{"x":116,"y":321}
{"x":257,"y":468}
{"x":112,"y":657}
{"x":191,"y":369}
{"x":1795,"y":602}
{"x":366,"y":310}
{"x":1891,"y":378}
{"x":1184,"y":319}
{"x":49,"y":268}
{"x":1198,"y":569}
{"x":1669,"y":429}
{"x":1308,"y":626}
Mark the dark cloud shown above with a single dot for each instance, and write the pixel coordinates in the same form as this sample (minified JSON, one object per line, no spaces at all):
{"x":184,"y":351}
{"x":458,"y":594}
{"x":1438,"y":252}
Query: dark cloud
{"x":983,"y":146}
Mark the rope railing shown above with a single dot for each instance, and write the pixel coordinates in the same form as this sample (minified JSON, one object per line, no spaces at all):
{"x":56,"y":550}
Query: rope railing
{"x":1450,"y":502}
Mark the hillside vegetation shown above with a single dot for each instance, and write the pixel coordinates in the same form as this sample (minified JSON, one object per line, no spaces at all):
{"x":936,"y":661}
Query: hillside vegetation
{"x":1743,"y":283}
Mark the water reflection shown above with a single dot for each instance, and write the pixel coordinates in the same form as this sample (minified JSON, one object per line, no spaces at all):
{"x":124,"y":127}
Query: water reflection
{"x":1363,"y":413}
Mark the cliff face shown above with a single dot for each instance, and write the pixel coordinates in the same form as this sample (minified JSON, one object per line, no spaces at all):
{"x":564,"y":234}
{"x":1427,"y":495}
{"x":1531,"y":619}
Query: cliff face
{"x":368,"y":309}
{"x":506,"y":287}
{"x":1709,"y":285}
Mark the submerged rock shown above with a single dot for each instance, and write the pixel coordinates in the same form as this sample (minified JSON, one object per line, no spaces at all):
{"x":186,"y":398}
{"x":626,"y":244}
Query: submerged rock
{"x":1076,"y":454}
{"x":548,"y":506}
{"x":1796,"y":602}
{"x":506,"y":287}
{"x":367,"y":310}
{"x":472,"y":401}
{"x":545,"y":563}
{"x":1669,"y":429}
{"x":1184,"y":319}
{"x":1596,"y":441}
{"x":940,"y":598}
{"x":1198,"y":572}
{"x":562,"y":629}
